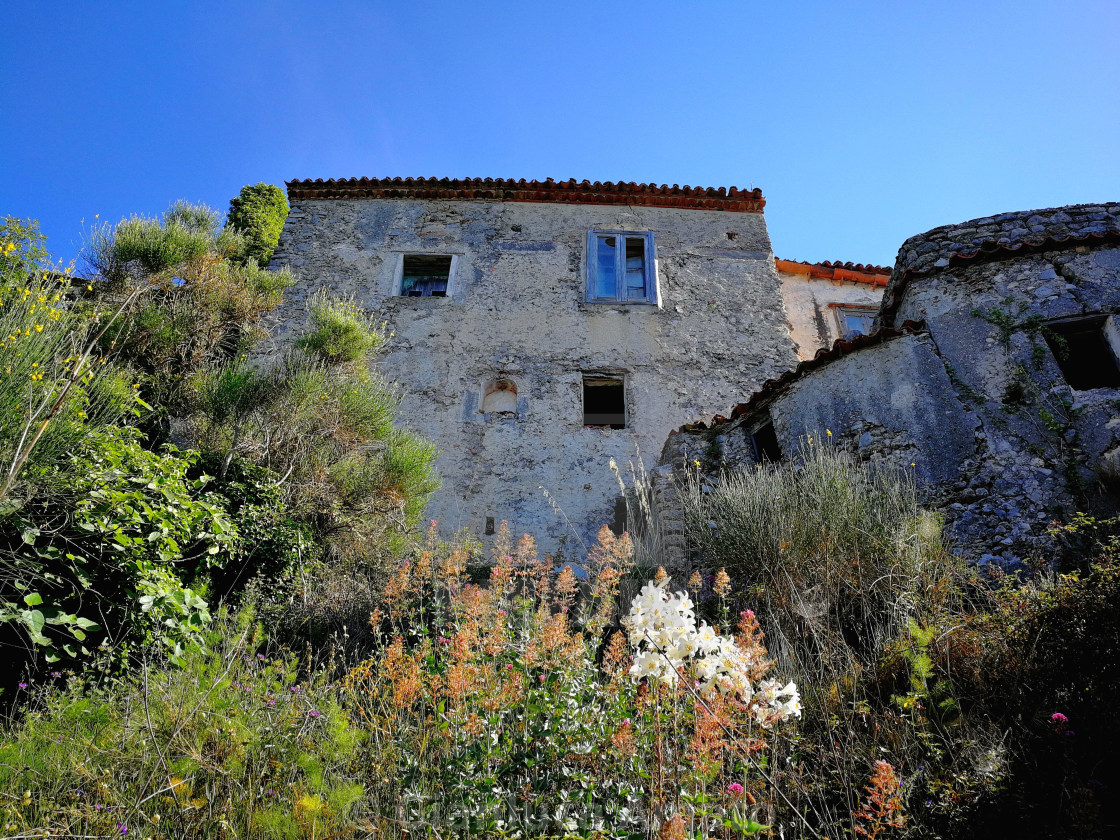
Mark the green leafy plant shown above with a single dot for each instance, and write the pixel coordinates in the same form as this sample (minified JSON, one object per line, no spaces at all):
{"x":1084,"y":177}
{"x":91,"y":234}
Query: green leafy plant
{"x":340,"y":331}
{"x":238,"y":739}
{"x":135,"y":530}
{"x":258,"y":214}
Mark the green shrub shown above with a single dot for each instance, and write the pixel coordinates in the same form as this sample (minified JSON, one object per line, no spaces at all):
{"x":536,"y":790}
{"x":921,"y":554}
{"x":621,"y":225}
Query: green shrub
{"x":235,"y":742}
{"x":195,"y":311}
{"x":258,"y":213}
{"x":142,"y":246}
{"x":340,"y":331}
{"x":119,"y":548}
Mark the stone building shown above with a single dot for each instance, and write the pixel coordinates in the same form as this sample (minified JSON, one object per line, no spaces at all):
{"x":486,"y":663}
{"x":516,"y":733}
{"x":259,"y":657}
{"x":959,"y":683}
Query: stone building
{"x":541,"y":329}
{"x":994,"y":376}
{"x":828,"y":301}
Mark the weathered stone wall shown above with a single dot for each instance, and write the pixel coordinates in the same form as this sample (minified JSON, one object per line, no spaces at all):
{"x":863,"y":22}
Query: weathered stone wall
{"x":978,"y":402}
{"x":515,"y":309}
{"x":1047,"y":448}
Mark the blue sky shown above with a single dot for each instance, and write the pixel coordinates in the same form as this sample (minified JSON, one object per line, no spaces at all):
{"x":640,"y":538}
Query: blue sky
{"x":863,"y":123}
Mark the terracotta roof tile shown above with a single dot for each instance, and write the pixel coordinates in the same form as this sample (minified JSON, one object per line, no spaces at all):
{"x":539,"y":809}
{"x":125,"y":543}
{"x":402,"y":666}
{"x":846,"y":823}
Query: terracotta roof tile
{"x":875,"y":275}
{"x":571,"y":191}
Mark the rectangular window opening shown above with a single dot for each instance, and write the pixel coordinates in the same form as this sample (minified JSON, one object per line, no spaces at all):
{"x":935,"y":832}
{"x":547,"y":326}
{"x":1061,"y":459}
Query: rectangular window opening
{"x":620,"y":267}
{"x":765,"y":443}
{"x":853,"y":320}
{"x":604,"y":402}
{"x":425,"y":275}
{"x":1087,"y":351}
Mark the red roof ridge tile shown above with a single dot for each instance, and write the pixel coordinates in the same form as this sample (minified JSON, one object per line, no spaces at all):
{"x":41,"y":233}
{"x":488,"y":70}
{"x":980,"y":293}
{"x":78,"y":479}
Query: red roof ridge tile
{"x":569,"y":191}
{"x":876,"y":275}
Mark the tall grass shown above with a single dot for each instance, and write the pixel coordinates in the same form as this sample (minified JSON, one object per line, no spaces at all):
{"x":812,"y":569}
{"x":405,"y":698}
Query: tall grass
{"x":839,"y":549}
{"x":849,"y":574}
{"x":239,"y":742}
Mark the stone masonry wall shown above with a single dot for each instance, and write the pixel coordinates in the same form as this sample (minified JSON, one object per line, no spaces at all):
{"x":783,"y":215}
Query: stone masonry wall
{"x":978,"y":403}
{"x":516,"y":309}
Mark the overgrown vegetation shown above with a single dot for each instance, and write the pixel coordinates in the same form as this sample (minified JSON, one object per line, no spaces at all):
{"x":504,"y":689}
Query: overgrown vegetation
{"x":258,"y":213}
{"x":235,"y":741}
{"x":223,"y":623}
{"x":964,"y":685}
{"x":150,"y":468}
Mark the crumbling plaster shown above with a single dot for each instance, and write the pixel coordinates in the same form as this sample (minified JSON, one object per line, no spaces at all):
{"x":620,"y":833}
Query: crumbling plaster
{"x":515,"y":308}
{"x":809,"y":307}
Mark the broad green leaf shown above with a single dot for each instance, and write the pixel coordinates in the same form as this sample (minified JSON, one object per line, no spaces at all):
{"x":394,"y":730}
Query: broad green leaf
{"x":35,"y":621}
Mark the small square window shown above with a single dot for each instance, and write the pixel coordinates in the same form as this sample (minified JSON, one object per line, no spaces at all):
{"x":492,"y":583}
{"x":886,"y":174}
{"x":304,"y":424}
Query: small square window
{"x":853,"y":320}
{"x":425,"y":275}
{"x":620,"y":267}
{"x":1087,"y":351}
{"x":604,"y":401}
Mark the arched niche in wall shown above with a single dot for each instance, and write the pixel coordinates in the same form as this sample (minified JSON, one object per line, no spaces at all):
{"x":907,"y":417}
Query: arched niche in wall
{"x":499,"y":395}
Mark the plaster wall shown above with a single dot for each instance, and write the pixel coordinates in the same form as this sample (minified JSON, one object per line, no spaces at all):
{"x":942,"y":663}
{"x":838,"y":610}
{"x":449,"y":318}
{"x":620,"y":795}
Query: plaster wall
{"x":812,"y":321}
{"x":515,"y":308}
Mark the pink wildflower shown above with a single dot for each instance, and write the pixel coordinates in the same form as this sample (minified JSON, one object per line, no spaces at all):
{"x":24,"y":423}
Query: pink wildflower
{"x":735,"y":789}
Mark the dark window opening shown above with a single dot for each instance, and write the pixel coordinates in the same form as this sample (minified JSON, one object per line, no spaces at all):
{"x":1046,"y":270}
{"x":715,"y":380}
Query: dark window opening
{"x":1086,"y":351}
{"x":618,"y":527}
{"x":604,"y":402}
{"x":425,"y":275}
{"x":765,"y":443}
{"x":489,"y":526}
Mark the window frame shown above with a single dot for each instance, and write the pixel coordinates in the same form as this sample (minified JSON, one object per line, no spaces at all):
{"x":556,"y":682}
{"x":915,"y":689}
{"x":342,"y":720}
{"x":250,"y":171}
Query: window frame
{"x":398,"y":277}
{"x":591,"y":269}
{"x":843,"y":310}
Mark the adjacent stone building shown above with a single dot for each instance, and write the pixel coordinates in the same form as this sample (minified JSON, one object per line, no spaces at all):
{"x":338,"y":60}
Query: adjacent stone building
{"x":994,"y":376}
{"x":541,"y":329}
{"x":825,"y":302}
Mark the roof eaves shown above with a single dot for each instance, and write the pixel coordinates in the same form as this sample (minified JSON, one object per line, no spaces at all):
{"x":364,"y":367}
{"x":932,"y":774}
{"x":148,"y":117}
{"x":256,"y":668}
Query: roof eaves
{"x":773,"y":388}
{"x":550,"y":191}
{"x":989,"y":251}
{"x":874,"y":275}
